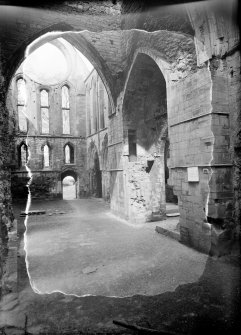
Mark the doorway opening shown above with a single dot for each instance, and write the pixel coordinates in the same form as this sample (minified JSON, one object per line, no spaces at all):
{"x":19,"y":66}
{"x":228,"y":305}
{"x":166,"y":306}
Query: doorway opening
{"x":96,"y":178}
{"x":151,"y":197}
{"x":172,"y":209}
{"x":69,"y":185}
{"x":69,"y":188}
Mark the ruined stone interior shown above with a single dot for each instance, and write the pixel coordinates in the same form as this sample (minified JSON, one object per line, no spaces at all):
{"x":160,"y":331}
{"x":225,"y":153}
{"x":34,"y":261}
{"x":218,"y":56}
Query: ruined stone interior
{"x":119,"y":120}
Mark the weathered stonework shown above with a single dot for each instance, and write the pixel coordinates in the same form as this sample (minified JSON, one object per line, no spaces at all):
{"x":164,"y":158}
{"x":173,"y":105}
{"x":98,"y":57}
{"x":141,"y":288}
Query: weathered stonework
{"x":47,"y":181}
{"x":98,"y":109}
{"x":194,"y":59}
{"x":6,"y":213}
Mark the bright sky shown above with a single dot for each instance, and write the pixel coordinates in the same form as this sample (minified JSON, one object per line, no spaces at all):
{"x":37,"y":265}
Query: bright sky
{"x":84,"y":59}
{"x":47,"y":64}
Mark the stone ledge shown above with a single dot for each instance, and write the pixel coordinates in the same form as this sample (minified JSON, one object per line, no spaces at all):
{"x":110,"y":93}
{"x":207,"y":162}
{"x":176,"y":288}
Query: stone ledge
{"x":169,"y":228}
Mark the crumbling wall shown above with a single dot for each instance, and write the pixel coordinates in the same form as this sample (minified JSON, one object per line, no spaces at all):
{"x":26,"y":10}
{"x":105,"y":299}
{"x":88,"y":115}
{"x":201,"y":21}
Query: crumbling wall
{"x":217,"y":41}
{"x":31,"y":23}
{"x":144,"y":117}
{"x":46,"y":181}
{"x":191,"y":145}
{"x":6,"y":213}
{"x":152,"y":16}
{"x":97,"y":110}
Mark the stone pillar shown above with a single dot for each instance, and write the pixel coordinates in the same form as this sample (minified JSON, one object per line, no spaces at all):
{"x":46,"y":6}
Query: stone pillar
{"x":221,"y":204}
{"x":191,"y":146}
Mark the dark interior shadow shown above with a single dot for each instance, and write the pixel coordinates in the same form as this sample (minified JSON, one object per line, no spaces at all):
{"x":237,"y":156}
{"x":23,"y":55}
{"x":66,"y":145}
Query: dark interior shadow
{"x":212,"y":304}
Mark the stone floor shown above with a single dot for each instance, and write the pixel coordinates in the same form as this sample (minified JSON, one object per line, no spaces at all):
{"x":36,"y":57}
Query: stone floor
{"x":83,"y":250}
{"x":170,"y":286}
{"x":170,"y":226}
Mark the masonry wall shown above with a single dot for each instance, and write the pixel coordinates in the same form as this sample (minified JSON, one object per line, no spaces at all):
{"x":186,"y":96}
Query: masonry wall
{"x":186,"y":69}
{"x":47,"y":181}
{"x":145,"y":118}
{"x":6,"y":212}
{"x":191,"y":145}
{"x":97,"y":129}
{"x":217,"y":43}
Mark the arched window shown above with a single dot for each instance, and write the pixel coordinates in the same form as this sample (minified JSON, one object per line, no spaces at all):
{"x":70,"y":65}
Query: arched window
{"x":23,"y":155}
{"x":88,"y":109}
{"x":46,"y":156}
{"x":101,"y":104}
{"x":21,"y":105}
{"x":65,"y":109}
{"x":68,"y":154}
{"x":44,"y":106}
{"x":94,"y":107}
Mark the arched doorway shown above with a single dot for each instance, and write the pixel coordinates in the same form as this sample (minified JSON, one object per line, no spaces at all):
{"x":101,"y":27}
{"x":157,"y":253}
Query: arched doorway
{"x":146,"y":136}
{"x":105,"y":173}
{"x":96,"y":178}
{"x":95,"y":174}
{"x":69,"y":185}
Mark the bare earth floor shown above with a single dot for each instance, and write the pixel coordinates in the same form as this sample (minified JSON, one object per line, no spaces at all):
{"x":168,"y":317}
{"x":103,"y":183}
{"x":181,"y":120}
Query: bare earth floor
{"x":87,"y":250}
{"x":79,"y":247}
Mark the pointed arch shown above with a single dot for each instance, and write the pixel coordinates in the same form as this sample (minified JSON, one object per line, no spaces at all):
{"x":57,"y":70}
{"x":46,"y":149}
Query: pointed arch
{"x":19,"y":54}
{"x":46,"y":154}
{"x":104,"y":155}
{"x":21,"y":104}
{"x":69,"y":155}
{"x":23,"y":154}
{"x":77,"y":40}
{"x":65,"y":105}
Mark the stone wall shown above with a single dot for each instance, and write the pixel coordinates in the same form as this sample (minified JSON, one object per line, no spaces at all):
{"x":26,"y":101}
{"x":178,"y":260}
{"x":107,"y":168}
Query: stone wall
{"x":217,"y":42}
{"x":97,"y":129}
{"x":153,"y":16}
{"x":6,"y":213}
{"x":145,"y":118}
{"x":201,"y":75}
{"x":31,"y":23}
{"x":47,"y":181}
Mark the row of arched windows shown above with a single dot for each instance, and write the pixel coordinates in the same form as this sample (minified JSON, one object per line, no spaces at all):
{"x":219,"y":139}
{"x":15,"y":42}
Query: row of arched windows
{"x":44,"y":108}
{"x":95,"y":105}
{"x":24,"y":154}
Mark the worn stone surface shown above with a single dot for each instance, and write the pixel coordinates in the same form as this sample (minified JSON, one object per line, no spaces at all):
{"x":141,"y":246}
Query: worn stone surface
{"x":46,"y":181}
{"x":98,"y":109}
{"x":202,"y":79}
{"x":211,"y":303}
